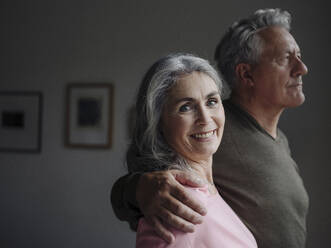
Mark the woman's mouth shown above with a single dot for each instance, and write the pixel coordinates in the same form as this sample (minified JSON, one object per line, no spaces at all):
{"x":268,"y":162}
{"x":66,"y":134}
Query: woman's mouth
{"x":204,"y":135}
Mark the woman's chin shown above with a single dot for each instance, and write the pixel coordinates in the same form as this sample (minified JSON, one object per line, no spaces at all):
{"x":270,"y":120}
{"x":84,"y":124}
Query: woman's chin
{"x":204,"y":154}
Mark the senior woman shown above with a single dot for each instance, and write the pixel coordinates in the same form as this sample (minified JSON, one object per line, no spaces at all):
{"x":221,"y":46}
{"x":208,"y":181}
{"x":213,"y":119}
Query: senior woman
{"x":179,"y":125}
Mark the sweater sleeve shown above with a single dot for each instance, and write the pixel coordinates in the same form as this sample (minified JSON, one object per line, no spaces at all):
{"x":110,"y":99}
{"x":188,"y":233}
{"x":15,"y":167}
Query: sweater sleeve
{"x":123,"y":199}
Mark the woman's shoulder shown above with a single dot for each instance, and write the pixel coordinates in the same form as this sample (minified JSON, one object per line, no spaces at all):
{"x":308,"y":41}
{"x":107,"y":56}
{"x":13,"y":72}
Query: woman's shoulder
{"x":221,"y":227}
{"x":147,"y":237}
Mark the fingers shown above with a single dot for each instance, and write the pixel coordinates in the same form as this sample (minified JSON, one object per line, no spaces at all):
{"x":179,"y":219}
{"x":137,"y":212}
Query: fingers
{"x":175,"y":220}
{"x":165,"y":202}
{"x":161,"y":231}
{"x":181,"y":210}
{"x":191,"y":203}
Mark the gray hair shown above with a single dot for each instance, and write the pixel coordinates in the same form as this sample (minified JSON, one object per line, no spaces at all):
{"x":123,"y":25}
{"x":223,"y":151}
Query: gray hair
{"x":240,"y":44}
{"x":148,"y":150}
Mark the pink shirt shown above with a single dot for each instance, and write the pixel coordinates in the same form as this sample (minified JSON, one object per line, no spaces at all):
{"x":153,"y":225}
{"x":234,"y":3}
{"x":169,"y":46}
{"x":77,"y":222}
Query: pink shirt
{"x":221,"y":227}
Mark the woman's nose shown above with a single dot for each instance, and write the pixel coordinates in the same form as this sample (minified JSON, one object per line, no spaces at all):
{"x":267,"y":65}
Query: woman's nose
{"x":203,"y":116}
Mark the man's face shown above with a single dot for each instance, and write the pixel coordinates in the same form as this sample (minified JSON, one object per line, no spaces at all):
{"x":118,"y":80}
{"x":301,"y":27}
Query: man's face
{"x":277,"y":78}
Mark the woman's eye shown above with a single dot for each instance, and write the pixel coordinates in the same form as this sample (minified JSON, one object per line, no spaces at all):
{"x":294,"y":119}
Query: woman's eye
{"x":212,"y":102}
{"x":185,"y":108}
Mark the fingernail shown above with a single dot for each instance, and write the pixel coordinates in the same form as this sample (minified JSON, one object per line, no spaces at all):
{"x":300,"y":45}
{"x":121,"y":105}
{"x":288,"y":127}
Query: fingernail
{"x":191,"y":229}
{"x":172,"y":239}
{"x":198,"y":220}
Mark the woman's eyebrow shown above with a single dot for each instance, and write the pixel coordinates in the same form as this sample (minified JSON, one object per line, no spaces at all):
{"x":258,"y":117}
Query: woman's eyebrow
{"x":184,"y":99}
{"x":214,"y":93}
{"x":191,"y":99}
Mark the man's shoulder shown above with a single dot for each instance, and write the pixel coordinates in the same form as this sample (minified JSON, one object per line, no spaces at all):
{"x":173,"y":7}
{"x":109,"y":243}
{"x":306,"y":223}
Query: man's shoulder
{"x":281,"y":134}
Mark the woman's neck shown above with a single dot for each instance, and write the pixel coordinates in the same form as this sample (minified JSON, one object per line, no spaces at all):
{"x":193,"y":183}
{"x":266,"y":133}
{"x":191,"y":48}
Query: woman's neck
{"x":203,"y":169}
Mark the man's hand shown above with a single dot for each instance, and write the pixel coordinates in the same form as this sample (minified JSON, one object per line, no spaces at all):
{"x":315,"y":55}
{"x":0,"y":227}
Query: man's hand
{"x":162,"y":199}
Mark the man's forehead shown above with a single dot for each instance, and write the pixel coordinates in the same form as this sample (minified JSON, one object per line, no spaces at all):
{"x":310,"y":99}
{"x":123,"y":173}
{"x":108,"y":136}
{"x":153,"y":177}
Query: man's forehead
{"x":277,"y":37}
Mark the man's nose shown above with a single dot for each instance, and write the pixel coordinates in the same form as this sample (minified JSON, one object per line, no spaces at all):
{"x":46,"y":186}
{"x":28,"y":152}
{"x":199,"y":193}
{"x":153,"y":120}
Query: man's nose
{"x":299,"y":68}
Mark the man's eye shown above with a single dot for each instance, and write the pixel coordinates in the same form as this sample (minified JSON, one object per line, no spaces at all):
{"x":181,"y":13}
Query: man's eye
{"x":286,"y":57}
{"x":212,"y":102}
{"x":185,"y":108}
{"x":283,"y":60}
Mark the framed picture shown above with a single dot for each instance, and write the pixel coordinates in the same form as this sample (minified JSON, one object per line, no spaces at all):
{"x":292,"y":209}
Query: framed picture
{"x":89,"y":115}
{"x":20,"y":121}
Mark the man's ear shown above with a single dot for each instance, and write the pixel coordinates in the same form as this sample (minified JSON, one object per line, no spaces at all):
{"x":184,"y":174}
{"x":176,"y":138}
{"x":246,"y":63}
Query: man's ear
{"x":244,"y":75}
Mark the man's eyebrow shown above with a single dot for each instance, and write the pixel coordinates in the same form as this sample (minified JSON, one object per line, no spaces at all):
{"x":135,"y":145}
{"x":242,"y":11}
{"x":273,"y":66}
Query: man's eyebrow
{"x":294,"y":50}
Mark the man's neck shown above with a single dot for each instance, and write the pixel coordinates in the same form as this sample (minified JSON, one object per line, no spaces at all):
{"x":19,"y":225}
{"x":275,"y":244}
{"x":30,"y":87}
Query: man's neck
{"x":266,"y":116}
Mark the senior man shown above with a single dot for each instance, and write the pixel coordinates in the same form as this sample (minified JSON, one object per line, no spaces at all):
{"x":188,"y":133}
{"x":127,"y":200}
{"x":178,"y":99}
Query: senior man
{"x":253,"y":168}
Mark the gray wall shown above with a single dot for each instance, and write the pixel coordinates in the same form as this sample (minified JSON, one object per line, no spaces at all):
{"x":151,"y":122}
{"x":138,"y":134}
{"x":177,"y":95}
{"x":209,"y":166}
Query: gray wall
{"x":59,"y":198}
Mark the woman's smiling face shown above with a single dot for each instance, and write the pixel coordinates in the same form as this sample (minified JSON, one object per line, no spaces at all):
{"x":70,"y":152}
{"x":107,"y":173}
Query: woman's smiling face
{"x":193,"y":117}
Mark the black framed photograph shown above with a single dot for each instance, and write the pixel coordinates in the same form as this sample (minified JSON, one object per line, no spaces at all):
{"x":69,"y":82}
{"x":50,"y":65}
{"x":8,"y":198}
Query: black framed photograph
{"x":89,"y":115}
{"x":20,"y":121}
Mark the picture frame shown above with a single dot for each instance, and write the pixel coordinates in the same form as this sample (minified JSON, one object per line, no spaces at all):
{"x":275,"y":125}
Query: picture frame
{"x":89,"y":115}
{"x":20,"y":121}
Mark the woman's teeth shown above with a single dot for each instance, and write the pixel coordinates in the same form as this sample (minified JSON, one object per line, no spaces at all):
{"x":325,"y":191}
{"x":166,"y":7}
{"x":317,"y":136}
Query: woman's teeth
{"x":203,"y":135}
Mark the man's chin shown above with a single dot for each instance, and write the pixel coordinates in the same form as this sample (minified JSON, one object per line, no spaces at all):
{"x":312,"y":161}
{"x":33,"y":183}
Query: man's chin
{"x":298,"y":101}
